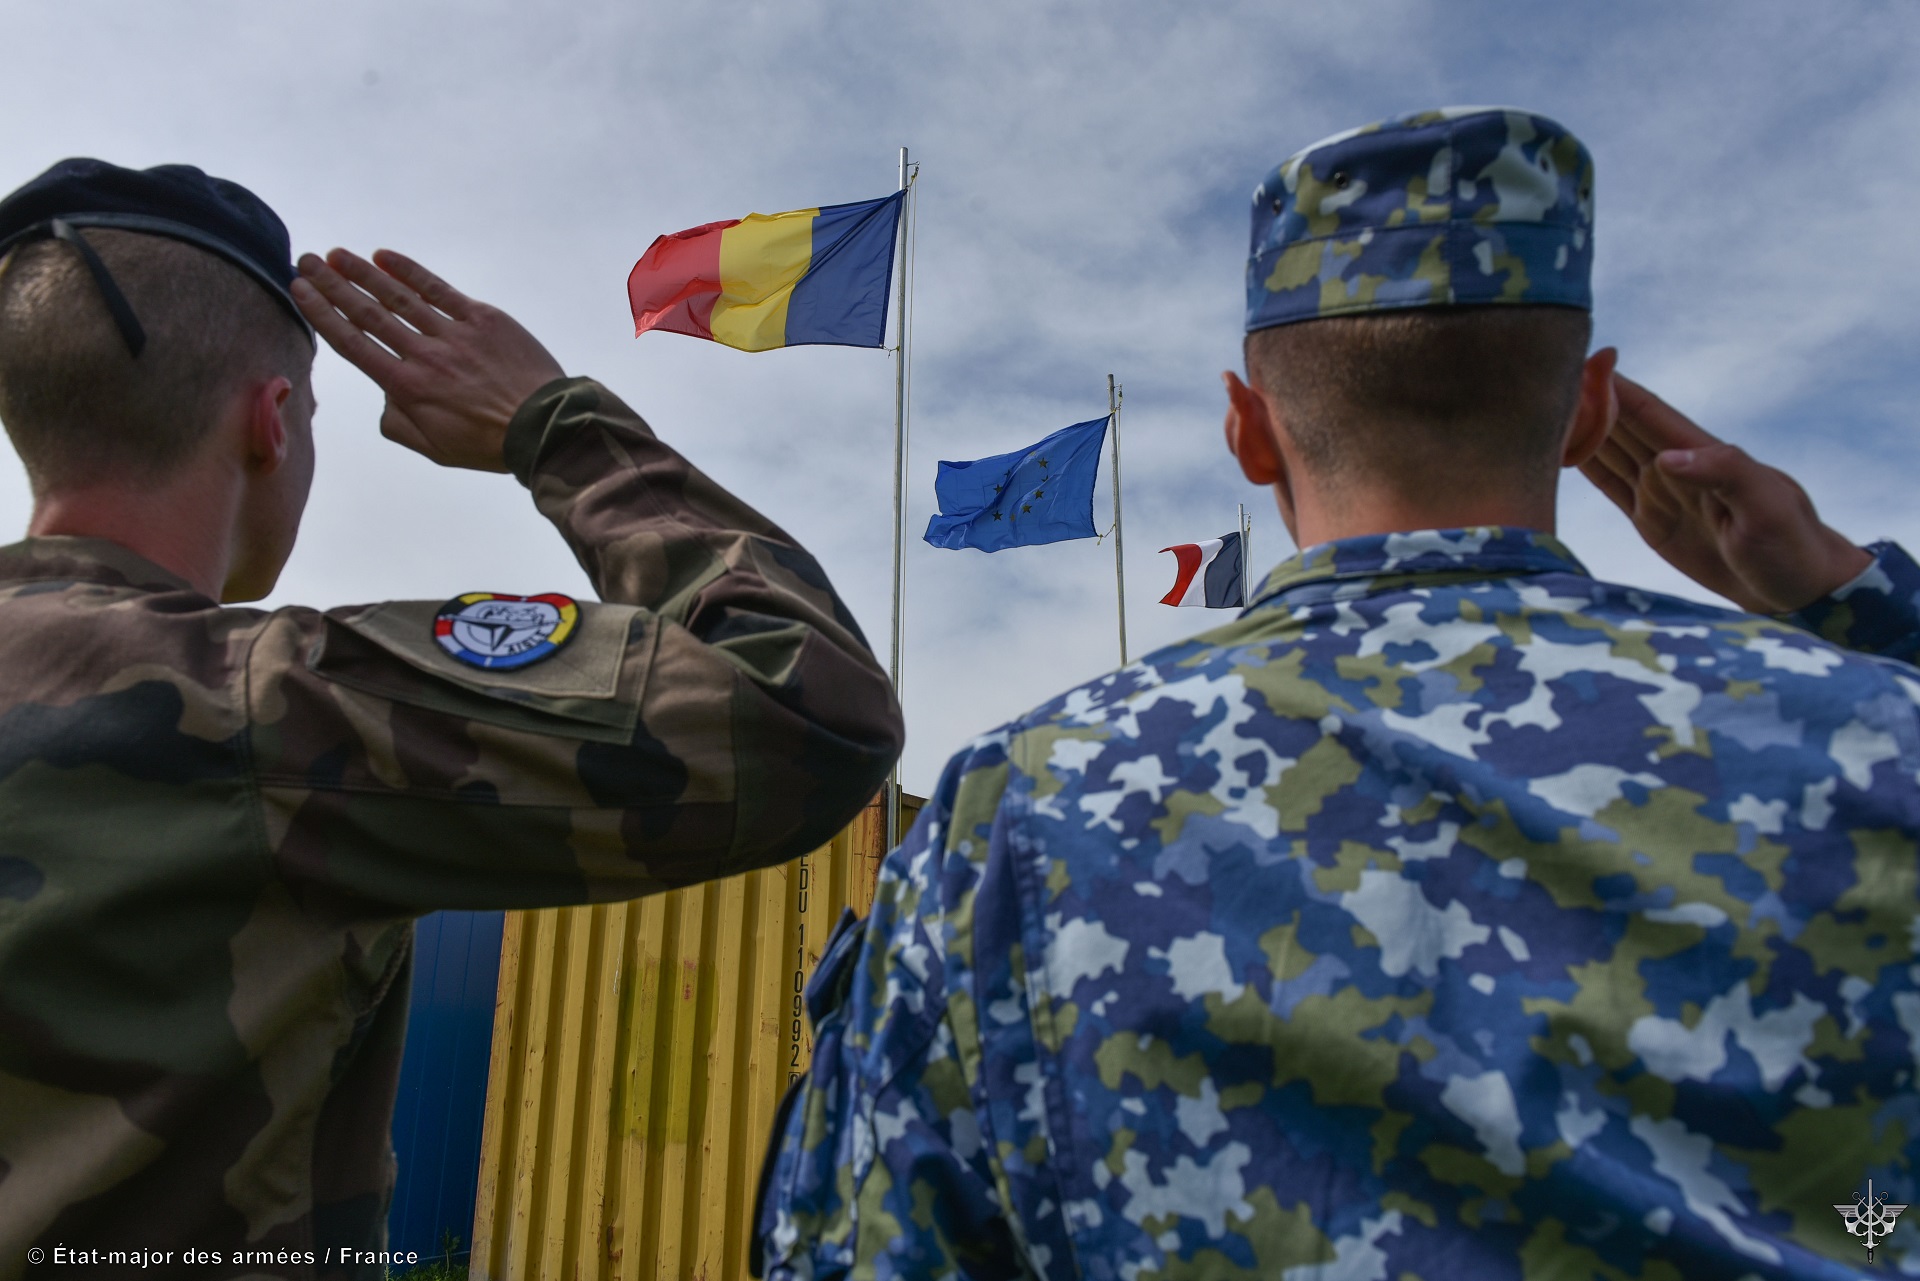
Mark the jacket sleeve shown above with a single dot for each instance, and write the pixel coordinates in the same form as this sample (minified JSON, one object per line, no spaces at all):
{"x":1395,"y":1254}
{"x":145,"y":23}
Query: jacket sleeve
{"x":1877,"y":613}
{"x":717,"y":710}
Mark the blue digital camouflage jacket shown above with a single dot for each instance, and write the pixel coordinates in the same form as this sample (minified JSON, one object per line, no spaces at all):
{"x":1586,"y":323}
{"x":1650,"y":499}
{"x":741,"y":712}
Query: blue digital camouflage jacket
{"x":1448,"y":915}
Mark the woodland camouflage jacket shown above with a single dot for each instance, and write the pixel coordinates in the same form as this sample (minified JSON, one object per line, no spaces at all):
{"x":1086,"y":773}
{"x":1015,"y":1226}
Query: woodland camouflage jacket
{"x":1449,"y":916}
{"x":217,"y":826}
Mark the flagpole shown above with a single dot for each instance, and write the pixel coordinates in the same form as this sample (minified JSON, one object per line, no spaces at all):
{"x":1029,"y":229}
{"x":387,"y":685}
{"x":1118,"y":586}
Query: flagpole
{"x":899,"y":489}
{"x":1119,"y":561}
{"x":1243,"y":556}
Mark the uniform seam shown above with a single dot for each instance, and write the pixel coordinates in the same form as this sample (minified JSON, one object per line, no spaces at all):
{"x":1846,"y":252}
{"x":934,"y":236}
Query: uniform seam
{"x":933,"y":1010}
{"x":1064,"y":1148}
{"x":1023,"y":1235}
{"x":922,"y":1034}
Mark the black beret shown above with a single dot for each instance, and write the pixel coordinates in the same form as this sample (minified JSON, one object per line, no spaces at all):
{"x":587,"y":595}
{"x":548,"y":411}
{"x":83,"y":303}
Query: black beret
{"x":176,"y":201}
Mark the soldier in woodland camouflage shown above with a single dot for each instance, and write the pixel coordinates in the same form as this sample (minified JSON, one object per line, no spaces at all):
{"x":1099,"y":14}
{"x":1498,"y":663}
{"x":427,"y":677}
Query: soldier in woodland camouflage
{"x":217,"y":824}
{"x":1450,"y":915}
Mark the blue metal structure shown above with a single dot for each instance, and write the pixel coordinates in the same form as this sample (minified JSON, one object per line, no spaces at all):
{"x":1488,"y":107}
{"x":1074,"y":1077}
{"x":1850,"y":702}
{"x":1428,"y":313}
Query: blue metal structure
{"x":443,"y":1081}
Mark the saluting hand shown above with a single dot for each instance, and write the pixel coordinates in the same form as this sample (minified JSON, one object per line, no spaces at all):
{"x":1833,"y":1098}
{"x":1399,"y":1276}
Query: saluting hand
{"x":454,"y":369}
{"x":1721,"y":517}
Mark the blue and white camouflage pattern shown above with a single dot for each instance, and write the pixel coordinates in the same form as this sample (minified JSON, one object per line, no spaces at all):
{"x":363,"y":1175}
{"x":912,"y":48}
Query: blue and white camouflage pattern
{"x":1460,"y":206}
{"x":1449,"y":916}
{"x":1879,"y":611}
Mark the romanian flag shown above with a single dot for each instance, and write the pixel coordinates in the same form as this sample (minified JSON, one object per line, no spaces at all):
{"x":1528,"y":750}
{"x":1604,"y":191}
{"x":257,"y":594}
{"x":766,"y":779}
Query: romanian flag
{"x":773,"y":280}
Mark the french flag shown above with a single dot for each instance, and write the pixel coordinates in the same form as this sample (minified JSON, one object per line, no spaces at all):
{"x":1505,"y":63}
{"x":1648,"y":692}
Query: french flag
{"x":1211,"y":575}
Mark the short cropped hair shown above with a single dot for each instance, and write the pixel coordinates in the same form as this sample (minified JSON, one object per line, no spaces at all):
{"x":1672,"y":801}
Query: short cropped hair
{"x":78,"y":406}
{"x":1407,"y":398}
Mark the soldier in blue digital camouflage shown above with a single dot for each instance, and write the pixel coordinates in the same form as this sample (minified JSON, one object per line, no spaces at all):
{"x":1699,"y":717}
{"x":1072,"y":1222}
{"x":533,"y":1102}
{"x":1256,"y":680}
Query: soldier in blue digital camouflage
{"x":217,"y":824}
{"x":1449,"y":916}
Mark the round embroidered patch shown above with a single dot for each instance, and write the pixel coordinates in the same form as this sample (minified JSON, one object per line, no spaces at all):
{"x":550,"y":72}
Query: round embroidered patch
{"x":490,"y":629}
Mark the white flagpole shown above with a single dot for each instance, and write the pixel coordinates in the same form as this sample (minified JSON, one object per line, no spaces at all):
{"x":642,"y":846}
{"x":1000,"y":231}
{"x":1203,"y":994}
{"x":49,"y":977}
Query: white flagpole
{"x":1119,"y":560}
{"x":899,"y":487}
{"x":1243,"y":556}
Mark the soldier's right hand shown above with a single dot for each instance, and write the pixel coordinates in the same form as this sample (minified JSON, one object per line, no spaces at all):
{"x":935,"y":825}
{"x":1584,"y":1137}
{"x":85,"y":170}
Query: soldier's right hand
{"x":454,"y":370}
{"x":1717,"y":514}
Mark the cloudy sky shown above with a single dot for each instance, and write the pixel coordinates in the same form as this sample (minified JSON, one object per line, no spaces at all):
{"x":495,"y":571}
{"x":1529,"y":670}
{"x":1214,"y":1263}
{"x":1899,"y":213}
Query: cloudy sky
{"x":1081,"y":211}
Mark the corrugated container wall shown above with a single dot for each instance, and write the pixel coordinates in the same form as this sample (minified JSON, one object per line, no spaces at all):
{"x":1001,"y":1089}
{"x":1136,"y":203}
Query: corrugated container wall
{"x":639,"y":1052}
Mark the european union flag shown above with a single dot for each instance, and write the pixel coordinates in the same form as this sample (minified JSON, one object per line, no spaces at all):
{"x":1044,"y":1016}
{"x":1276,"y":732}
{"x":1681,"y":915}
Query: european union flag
{"x":1043,"y":494}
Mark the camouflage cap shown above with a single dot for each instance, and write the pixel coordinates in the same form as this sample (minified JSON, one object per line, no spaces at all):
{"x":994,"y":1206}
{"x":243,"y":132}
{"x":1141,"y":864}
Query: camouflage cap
{"x":1460,"y":206}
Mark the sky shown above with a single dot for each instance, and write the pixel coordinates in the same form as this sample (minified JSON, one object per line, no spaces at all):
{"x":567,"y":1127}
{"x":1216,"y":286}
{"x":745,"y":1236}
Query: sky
{"x":1081,"y":210}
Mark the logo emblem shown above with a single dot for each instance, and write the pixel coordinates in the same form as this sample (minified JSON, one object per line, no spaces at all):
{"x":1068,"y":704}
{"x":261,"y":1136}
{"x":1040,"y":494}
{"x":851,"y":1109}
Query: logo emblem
{"x":490,"y":629}
{"x":1870,"y":1218}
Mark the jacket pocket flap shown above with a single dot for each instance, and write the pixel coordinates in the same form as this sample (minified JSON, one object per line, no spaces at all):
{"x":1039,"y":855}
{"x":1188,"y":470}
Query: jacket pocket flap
{"x":592,"y":685}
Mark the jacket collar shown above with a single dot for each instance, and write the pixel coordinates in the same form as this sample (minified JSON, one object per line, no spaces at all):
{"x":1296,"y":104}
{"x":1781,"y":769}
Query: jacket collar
{"x":1482,"y":551}
{"x":89,"y":560}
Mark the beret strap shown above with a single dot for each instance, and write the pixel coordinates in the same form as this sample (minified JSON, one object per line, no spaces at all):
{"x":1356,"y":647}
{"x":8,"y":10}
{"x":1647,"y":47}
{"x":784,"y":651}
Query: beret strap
{"x":123,"y":317}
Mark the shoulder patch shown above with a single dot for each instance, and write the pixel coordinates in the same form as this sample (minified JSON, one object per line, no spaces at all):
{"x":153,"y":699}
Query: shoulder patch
{"x":594,"y":683}
{"x":494,"y":630}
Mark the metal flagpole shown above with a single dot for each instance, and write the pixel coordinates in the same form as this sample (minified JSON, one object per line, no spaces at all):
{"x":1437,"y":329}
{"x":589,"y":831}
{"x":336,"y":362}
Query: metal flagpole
{"x":1243,"y":555}
{"x":1119,"y":561}
{"x":899,"y":486}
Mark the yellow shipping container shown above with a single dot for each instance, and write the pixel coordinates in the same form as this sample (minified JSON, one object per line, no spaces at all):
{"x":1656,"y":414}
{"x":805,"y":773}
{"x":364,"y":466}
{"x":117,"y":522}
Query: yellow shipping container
{"x":639,"y":1052}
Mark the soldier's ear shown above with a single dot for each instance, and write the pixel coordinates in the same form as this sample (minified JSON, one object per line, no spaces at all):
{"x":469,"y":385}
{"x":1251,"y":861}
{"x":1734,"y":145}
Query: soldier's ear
{"x":1251,"y":433}
{"x":269,"y":406}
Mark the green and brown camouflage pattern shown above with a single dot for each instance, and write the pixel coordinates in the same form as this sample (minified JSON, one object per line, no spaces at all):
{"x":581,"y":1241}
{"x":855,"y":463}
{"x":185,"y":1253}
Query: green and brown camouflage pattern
{"x":217,"y":826}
